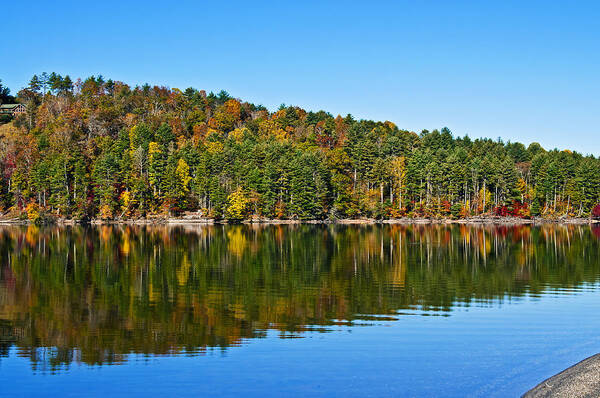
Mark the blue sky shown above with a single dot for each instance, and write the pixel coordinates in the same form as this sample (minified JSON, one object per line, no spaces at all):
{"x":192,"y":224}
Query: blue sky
{"x":523,"y":71}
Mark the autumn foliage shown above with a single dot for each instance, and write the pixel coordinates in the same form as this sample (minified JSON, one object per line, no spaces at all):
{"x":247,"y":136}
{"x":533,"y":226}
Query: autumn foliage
{"x":516,"y":209}
{"x":96,"y":148}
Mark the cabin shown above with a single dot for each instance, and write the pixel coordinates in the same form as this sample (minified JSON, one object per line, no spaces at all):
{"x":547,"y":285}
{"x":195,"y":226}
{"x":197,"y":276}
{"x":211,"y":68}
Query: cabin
{"x":12,"y":109}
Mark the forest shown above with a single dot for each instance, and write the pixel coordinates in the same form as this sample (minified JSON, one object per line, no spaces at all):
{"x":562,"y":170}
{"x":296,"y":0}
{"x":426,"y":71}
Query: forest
{"x":96,"y":148}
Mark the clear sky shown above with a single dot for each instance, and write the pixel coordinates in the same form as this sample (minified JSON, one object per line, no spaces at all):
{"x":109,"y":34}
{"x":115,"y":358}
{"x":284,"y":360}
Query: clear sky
{"x":520,"y":70}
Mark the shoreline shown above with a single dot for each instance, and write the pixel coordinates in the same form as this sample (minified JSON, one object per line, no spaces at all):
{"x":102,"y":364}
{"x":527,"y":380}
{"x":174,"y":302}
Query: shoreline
{"x":579,"y":380}
{"x":190,"y":220}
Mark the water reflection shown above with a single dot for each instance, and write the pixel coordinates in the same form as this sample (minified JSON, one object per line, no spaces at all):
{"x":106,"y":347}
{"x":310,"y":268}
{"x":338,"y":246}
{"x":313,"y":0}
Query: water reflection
{"x":94,"y":295}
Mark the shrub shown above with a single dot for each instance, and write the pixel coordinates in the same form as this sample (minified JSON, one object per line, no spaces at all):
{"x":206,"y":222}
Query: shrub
{"x":456,"y":210}
{"x":535,"y":207}
{"x":33,"y":212}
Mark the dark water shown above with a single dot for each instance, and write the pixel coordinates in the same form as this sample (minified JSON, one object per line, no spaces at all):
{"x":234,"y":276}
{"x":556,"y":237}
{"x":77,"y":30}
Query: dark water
{"x":294,"y":310}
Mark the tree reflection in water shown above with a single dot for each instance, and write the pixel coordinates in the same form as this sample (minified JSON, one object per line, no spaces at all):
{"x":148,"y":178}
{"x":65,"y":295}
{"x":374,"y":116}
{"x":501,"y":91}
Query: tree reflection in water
{"x":96,"y":294}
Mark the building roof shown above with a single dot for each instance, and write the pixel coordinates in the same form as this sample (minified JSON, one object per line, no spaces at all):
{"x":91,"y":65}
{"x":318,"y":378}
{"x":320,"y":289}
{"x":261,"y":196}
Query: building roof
{"x":8,"y":106}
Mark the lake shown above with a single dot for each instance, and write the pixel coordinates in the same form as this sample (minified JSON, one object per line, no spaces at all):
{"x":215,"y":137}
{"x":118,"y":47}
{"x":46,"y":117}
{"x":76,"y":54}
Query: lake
{"x":294,"y":310}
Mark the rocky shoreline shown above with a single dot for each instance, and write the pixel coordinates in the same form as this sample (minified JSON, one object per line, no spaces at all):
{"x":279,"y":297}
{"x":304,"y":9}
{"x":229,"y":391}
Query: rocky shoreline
{"x":580,"y":380}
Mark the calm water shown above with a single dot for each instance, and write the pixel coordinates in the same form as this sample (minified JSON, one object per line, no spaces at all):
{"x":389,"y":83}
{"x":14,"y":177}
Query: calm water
{"x":294,"y":310}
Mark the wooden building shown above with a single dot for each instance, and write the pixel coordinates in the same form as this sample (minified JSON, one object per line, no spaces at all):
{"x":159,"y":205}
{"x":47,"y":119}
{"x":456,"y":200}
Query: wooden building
{"x":12,"y":109}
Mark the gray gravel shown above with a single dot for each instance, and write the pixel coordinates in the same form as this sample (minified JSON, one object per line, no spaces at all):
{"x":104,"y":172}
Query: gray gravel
{"x":580,"y":380}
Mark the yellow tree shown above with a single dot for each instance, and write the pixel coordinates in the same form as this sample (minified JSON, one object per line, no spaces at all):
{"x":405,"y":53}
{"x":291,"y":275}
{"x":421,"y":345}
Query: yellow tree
{"x":182,"y":173}
{"x":485,"y":198}
{"x":398,"y":172}
{"x":237,"y":208}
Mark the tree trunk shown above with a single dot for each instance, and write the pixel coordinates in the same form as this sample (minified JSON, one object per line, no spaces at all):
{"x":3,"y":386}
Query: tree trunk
{"x":484,"y":195}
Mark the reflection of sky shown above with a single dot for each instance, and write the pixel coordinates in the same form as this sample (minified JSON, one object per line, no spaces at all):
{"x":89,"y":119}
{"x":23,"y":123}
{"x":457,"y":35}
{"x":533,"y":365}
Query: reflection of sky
{"x":501,"y":350}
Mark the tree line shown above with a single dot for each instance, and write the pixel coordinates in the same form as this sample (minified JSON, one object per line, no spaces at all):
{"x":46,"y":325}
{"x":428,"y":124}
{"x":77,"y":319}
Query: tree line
{"x":98,"y":148}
